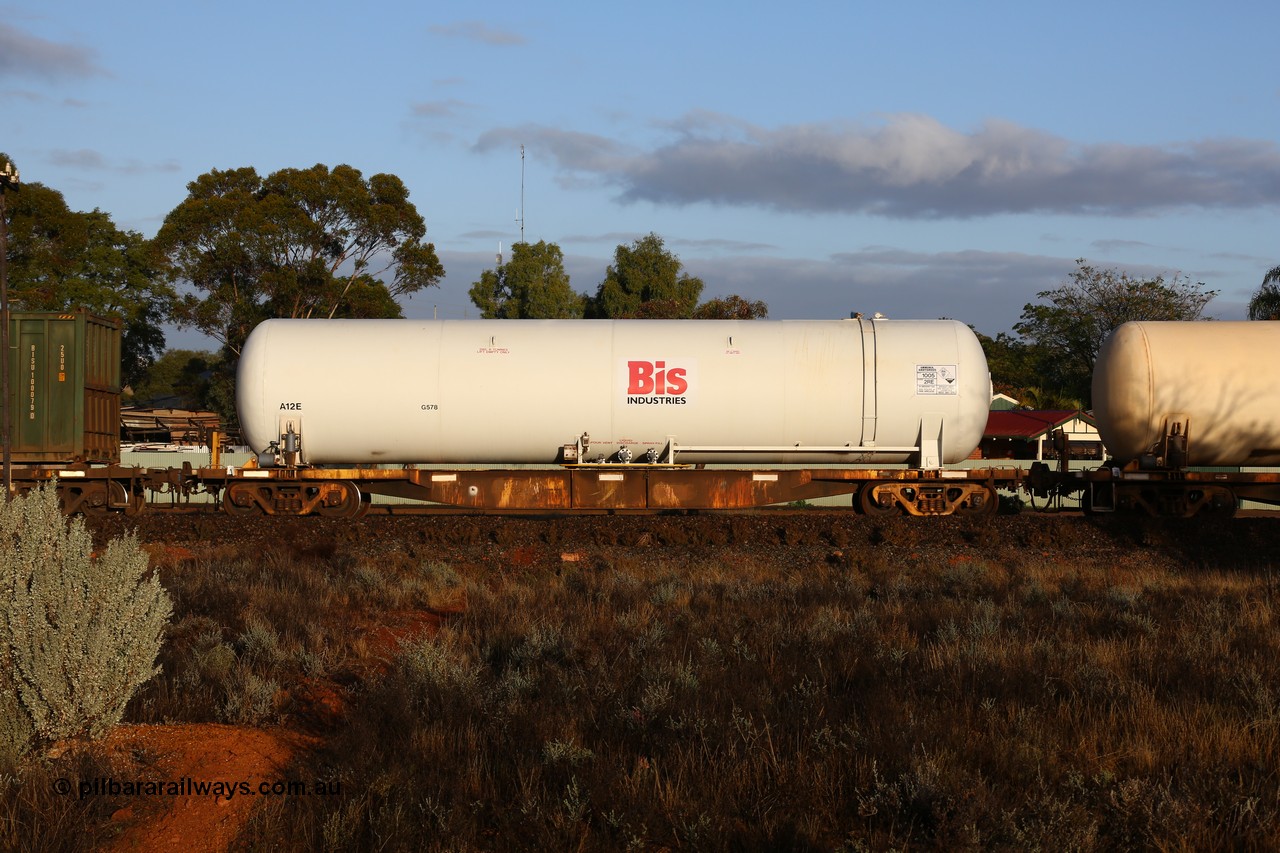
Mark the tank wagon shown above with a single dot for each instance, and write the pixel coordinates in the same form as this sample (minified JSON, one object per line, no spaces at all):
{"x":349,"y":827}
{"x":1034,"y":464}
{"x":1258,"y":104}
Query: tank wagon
{"x":616,"y":416}
{"x":1175,"y":399}
{"x":636,"y":402}
{"x":604,"y":391}
{"x":1190,"y":394}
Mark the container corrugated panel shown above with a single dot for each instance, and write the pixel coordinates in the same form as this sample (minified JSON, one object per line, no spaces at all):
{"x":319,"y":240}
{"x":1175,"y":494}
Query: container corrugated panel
{"x":64,"y":385}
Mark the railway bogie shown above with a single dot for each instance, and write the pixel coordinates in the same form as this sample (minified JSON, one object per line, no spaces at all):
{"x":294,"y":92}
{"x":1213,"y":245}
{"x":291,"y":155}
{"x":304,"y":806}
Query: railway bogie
{"x":330,"y":498}
{"x":81,"y":496}
{"x":945,"y":497}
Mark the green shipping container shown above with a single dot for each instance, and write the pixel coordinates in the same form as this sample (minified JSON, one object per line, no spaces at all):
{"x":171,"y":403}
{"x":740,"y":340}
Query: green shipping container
{"x":64,"y":387}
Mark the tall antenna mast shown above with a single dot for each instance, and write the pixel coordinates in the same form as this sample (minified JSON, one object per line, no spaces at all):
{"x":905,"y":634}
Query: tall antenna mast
{"x":520,"y":218}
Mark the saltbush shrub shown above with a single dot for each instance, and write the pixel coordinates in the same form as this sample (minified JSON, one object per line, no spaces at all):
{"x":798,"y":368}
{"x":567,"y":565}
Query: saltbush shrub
{"x":79,"y":632}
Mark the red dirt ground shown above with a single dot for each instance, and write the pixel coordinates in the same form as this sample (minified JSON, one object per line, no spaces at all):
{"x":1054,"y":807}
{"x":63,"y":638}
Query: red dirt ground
{"x":210,"y":752}
{"x":201,"y":752}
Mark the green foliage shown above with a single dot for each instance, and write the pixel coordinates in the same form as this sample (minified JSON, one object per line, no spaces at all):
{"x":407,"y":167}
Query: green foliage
{"x":1014,"y":364}
{"x":1067,"y":329}
{"x":532,"y":285}
{"x":1011,"y":504}
{"x":731,"y":307}
{"x":297,"y":243}
{"x":1265,"y":304}
{"x":181,"y":373}
{"x":79,"y":635}
{"x":1018,"y":368}
{"x":645,"y":281}
{"x":60,"y":259}
{"x":1035,"y":397}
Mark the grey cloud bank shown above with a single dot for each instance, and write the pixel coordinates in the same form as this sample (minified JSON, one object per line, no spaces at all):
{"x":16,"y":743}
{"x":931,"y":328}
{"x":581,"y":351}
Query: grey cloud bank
{"x":913,"y":167}
{"x":478,"y":31}
{"x":22,"y":54}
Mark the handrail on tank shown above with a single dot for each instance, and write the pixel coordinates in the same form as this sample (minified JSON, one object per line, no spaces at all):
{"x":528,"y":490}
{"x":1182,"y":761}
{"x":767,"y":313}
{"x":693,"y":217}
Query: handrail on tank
{"x":668,"y":455}
{"x":929,"y":450}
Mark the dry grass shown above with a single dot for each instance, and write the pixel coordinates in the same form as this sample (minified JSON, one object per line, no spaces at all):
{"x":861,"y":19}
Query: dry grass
{"x":870,"y":706}
{"x":860,"y":702}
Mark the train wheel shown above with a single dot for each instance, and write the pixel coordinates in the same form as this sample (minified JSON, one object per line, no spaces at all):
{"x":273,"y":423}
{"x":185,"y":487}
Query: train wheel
{"x":240,"y":499}
{"x":985,"y":502}
{"x":82,"y":498}
{"x":873,"y":501}
{"x":98,"y":497}
{"x":344,"y":501}
{"x":1216,"y":502}
{"x":136,"y":505}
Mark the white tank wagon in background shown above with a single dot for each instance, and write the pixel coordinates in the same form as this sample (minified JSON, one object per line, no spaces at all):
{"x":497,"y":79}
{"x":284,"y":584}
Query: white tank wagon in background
{"x":359,"y":392}
{"x":1182,"y":407}
{"x":1184,"y":394}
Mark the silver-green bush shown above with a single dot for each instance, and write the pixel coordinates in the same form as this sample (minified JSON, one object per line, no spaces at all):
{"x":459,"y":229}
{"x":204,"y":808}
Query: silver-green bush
{"x":79,"y":634}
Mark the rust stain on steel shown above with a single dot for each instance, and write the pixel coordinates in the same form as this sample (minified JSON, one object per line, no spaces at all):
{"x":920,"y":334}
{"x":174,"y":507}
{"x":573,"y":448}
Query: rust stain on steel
{"x":499,"y":489}
{"x":546,"y":491}
{"x":620,"y":489}
{"x":725,"y":489}
{"x":288,"y":499}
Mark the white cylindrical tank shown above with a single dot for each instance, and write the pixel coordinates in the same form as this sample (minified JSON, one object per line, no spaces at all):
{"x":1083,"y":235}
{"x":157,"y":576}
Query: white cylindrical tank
{"x":1211,"y":381}
{"x":518,"y":391}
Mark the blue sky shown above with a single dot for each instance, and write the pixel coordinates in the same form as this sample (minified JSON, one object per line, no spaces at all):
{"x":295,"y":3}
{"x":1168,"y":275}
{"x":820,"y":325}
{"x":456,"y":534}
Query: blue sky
{"x":922,"y":160}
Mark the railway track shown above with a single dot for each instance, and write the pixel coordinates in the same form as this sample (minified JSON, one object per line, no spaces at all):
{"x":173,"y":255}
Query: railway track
{"x":994,"y":548}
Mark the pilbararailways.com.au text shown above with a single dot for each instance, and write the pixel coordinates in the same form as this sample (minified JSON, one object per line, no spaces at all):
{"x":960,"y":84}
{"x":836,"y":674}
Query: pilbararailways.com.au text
{"x":103,"y":786}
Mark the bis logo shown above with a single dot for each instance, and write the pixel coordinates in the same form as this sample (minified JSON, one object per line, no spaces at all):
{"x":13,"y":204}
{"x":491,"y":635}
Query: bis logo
{"x":658,"y":382}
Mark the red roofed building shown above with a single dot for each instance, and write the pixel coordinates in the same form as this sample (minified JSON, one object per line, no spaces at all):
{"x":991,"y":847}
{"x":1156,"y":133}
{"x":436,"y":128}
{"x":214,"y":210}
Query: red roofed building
{"x":1027,"y":434}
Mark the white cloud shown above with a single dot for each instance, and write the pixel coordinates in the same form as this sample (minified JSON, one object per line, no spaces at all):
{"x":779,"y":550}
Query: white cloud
{"x":90,"y":160}
{"x":478,"y":31}
{"x":448,"y":108}
{"x":577,"y":153}
{"x":911,"y":167}
{"x":22,"y":54}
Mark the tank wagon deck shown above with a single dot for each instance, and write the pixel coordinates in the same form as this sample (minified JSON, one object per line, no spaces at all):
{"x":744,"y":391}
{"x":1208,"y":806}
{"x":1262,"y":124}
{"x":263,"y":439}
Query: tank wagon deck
{"x":348,"y":493}
{"x":612,"y":488}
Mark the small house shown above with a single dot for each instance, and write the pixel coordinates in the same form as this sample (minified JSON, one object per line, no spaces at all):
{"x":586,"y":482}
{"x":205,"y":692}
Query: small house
{"x":1028,"y":434}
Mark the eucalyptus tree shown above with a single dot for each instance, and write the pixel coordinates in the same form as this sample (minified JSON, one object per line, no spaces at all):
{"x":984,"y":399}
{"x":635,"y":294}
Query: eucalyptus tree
{"x":1070,"y":324}
{"x":60,"y":259}
{"x":314,"y":242}
{"x":646,"y":281}
{"x":533,"y":284}
{"x":731,"y":307}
